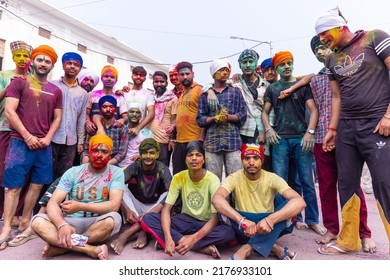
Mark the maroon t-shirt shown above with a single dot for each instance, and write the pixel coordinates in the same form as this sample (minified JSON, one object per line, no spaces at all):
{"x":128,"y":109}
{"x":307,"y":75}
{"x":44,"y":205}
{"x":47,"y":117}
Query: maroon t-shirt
{"x":36,"y":105}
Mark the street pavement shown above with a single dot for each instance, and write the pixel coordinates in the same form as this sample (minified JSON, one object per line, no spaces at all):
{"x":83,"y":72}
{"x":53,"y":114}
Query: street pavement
{"x":301,"y":241}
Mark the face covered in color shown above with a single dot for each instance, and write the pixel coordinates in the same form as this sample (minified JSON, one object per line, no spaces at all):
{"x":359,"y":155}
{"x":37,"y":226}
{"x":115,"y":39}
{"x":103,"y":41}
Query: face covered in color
{"x":322,"y":52}
{"x":72,"y":68}
{"x":186,"y":77}
{"x":248,"y":65}
{"x":21,"y":59}
{"x":87,"y":83}
{"x":174,"y":78}
{"x":331,"y":38}
{"x":108,"y":110}
{"x":100,"y":155}
{"x":138,"y":78}
{"x":134,"y":115}
{"x":285,"y":69}
{"x":109,"y":79}
{"x":159,"y":84}
{"x":222,"y":74}
{"x":270,"y":74}
{"x":42,"y":65}
{"x":194,"y":160}
{"x":149,"y":157}
{"x":252,"y":164}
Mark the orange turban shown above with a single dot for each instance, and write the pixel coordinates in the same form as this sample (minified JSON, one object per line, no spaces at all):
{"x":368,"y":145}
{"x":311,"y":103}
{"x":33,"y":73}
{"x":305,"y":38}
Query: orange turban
{"x":280,"y":57}
{"x":101,"y":139}
{"x":111,"y":69}
{"x":45,"y":50}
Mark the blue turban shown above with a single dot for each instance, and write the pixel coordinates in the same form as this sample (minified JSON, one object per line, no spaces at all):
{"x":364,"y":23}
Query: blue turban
{"x":248,"y":53}
{"x":266,"y":63}
{"x":107,"y":98}
{"x":72,"y":56}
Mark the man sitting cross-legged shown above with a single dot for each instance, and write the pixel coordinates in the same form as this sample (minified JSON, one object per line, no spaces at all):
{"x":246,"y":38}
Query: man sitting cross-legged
{"x":197,"y":227}
{"x":95,"y":193}
{"x":261,"y":215}
{"x":148,"y":182}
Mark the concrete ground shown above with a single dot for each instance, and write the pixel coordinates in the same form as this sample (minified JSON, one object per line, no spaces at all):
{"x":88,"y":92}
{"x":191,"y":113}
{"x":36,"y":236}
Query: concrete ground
{"x":301,"y":241}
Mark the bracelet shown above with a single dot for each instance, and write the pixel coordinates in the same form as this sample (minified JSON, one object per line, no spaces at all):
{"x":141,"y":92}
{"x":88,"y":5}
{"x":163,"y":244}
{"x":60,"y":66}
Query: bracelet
{"x":333,"y":129}
{"x":61,"y":225}
{"x":172,"y":140}
{"x":29,"y":138}
{"x":265,"y":219}
{"x":386,"y":116}
{"x":268,"y":129}
{"x":240,"y":223}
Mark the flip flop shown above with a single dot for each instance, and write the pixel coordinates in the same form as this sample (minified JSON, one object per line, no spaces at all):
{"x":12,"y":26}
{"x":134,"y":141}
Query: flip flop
{"x":286,"y":254}
{"x":213,"y":253}
{"x":21,"y":239}
{"x":4,"y":241}
{"x":333,"y":245}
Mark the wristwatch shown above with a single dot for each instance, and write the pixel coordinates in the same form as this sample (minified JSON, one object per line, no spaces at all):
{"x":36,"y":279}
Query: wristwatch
{"x":310,"y":131}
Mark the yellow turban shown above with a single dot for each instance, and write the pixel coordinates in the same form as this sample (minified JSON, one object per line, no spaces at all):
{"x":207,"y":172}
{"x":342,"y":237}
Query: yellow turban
{"x":101,"y":139}
{"x":45,"y":50}
{"x":111,"y":69}
{"x":280,"y":57}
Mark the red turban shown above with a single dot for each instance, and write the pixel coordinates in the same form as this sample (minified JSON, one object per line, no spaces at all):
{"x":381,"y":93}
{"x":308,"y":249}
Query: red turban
{"x":280,"y":57}
{"x":252,"y":149}
{"x":45,"y":50}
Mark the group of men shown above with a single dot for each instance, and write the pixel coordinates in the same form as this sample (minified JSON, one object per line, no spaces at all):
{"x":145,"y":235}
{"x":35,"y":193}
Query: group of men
{"x":207,"y":130}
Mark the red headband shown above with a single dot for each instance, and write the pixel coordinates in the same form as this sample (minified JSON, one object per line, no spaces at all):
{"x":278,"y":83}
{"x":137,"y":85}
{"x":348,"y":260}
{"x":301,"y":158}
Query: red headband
{"x":252,"y":149}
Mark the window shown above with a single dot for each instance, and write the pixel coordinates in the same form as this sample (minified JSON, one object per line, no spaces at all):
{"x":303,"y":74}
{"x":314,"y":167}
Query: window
{"x":81,"y":48}
{"x":44,"y":33}
{"x":110,"y":59}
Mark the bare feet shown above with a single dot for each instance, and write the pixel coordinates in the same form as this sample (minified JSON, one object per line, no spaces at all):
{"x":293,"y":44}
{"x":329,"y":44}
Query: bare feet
{"x":102,"y":252}
{"x":118,"y":244}
{"x":326,"y":238}
{"x":242,"y":253}
{"x":211,"y":251}
{"x":301,"y":225}
{"x":50,"y":251}
{"x":317,"y":229}
{"x":369,"y":246}
{"x":141,"y":241}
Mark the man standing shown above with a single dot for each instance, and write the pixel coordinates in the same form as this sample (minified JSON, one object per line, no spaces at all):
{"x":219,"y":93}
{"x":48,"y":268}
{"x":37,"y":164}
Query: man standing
{"x":291,"y":137}
{"x":197,"y":227}
{"x":70,"y":136}
{"x":148,"y":181}
{"x":258,"y":218}
{"x":21,"y":56}
{"x":164,"y":120}
{"x":95,"y":193}
{"x":141,"y":96}
{"x":88,"y":79}
{"x":253,"y":87}
{"x":222,"y":121}
{"x":187,"y":129}
{"x":360,"y":122}
{"x":34,"y":108}
{"x":174,"y":79}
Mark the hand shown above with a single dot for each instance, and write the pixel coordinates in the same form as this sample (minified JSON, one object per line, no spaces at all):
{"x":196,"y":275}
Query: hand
{"x":284,"y":93}
{"x":131,"y":216}
{"x":23,"y":77}
{"x":64,"y":234}
{"x":383,"y":127}
{"x":263,"y":227}
{"x":135,"y":157}
{"x":329,"y":142}
{"x":70,"y":206}
{"x":80,"y":148}
{"x":307,"y":142}
{"x":185,"y":244}
{"x":134,"y":131}
{"x":249,"y":228}
{"x":44,"y":142}
{"x":212,"y":100}
{"x":272,"y":137}
{"x":236,"y":78}
{"x":261,"y":138}
{"x":119,"y":123}
{"x":126,"y":89}
{"x":169,"y":129}
{"x":90,"y":127}
{"x":33,"y":143}
{"x":169,"y":247}
{"x":171,"y":146}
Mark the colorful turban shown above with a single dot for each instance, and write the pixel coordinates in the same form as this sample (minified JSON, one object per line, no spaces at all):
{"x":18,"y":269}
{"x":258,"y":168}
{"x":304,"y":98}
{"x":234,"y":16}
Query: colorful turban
{"x":252,"y":149}
{"x":72,"y":56}
{"x":315,"y":42}
{"x":88,"y":73}
{"x":148,"y":143}
{"x":111,"y":69}
{"x":195,"y":146}
{"x":45,"y":50}
{"x":218,"y":64}
{"x":20,"y":45}
{"x":266,"y":63}
{"x":248,"y":53}
{"x":107,"y":98}
{"x":331,"y":19}
{"x":282,"y":56}
{"x":101,"y":139}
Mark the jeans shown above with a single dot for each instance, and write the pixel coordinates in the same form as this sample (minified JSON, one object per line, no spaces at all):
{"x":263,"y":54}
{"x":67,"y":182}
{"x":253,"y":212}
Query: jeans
{"x":291,"y":147}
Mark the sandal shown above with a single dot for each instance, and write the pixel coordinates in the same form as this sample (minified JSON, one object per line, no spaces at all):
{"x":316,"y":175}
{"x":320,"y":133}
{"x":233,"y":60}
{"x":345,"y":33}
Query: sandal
{"x":286,"y":254}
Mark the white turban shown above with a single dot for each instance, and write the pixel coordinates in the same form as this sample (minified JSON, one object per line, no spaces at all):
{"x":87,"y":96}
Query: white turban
{"x":88,"y":73}
{"x":219,"y":64}
{"x":331,"y":19}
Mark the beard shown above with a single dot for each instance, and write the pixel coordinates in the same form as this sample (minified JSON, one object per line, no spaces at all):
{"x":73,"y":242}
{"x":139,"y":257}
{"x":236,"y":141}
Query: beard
{"x":160,"y":90}
{"x":187,"y":83}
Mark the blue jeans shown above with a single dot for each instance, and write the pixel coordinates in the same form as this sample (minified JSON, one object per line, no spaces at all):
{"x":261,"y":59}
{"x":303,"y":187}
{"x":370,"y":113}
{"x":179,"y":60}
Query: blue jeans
{"x":302,"y":161}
